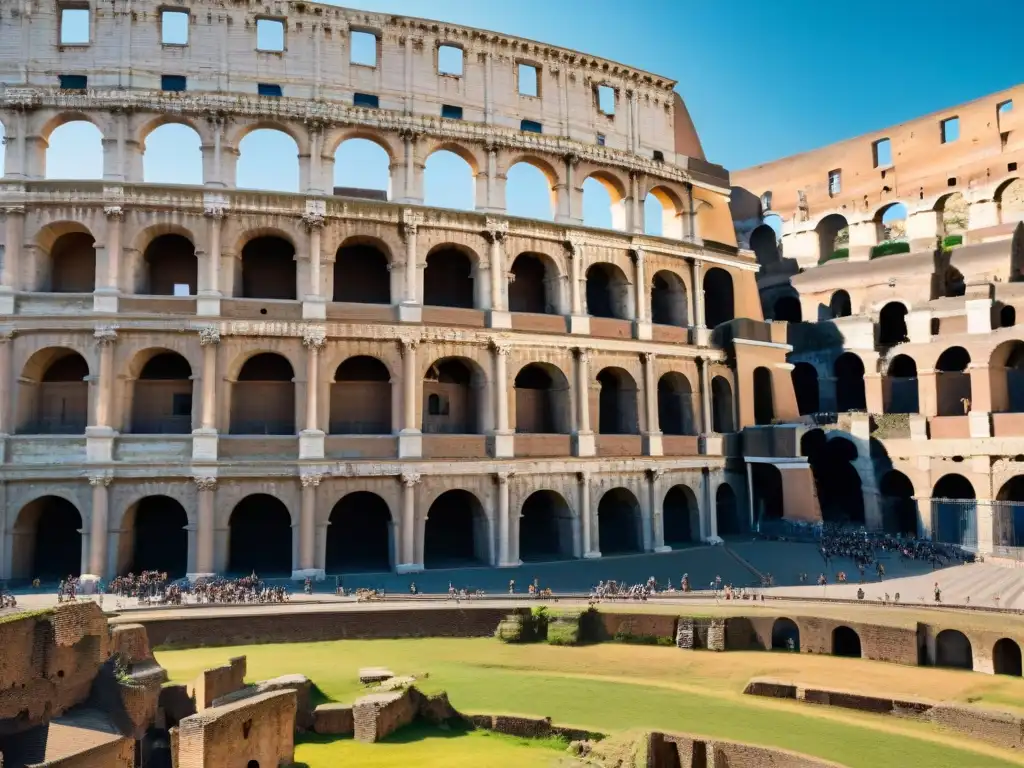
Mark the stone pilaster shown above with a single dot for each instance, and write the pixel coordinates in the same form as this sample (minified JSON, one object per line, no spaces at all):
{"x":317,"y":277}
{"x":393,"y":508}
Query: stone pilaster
{"x":579,"y":321}
{"x":307,"y":529}
{"x":495,"y":233}
{"x":206,"y":489}
{"x":504,"y":438}
{"x":204,"y":439}
{"x":408,"y":546}
{"x":311,"y":439}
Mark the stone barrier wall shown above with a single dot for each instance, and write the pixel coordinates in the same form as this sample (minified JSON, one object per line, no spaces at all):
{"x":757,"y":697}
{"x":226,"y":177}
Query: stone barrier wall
{"x":999,"y":728}
{"x":669,"y":750}
{"x":217,"y":682}
{"x":259,"y":728}
{"x":636,"y":624}
{"x":378,"y":715}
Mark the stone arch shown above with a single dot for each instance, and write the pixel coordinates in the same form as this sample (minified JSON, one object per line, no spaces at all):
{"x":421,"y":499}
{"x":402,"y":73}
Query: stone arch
{"x":619,"y":522}
{"x":1009,"y":195}
{"x":892,"y":324}
{"x":1006,"y":658}
{"x":542,"y":400}
{"x":899,"y":509}
{"x":449,"y":277}
{"x":899,"y":386}
{"x":169,"y":261}
{"x":361,"y":397}
{"x":849,"y":373}
{"x":534,"y":285}
{"x":764,"y":396}
{"x":69,"y":259}
{"x":172,"y":152}
{"x":362,"y":272}
{"x":453,"y":397}
{"x":846,"y":642}
{"x":449,"y":177}
{"x":260,"y":537}
{"x":839,"y":305}
{"x":360,"y":535}
{"x":831,"y":238}
{"x":1009,"y":522}
{"x":764,"y":242}
{"x":615,"y":190}
{"x":806,"y":388}
{"x":766,"y":486}
{"x":887,"y":228}
{"x":607,"y":291}
{"x":954,"y":511}
{"x":953,"y":649}
{"x":680,"y":516}
{"x":161,"y":396}
{"x":787,"y":309}
{"x":722,"y":420}
{"x":833,"y":464}
{"x":617,"y":412}
{"x":154,"y":537}
{"x":71,"y":148}
{"x":953,"y":382}
{"x":268,"y":268}
{"x":47,"y":535}
{"x":373,"y":158}
{"x":263,"y":397}
{"x":1006,"y":377}
{"x":719,"y":306}
{"x":668,"y":299}
{"x":259,"y":140}
{"x":530,"y":188}
{"x":672,"y":208}
{"x":675,"y":405}
{"x":53,"y":393}
{"x":456,"y":531}
{"x":785,"y":635}
{"x":728,"y":518}
{"x":545,"y":527}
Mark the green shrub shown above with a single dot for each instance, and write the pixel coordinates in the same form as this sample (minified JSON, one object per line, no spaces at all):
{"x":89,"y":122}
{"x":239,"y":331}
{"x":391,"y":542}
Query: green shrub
{"x":839,"y":253}
{"x":889,"y":248}
{"x":516,"y":628}
{"x":631,"y":639}
{"x":951,"y":241}
{"x":540,"y":617}
{"x":572,"y":628}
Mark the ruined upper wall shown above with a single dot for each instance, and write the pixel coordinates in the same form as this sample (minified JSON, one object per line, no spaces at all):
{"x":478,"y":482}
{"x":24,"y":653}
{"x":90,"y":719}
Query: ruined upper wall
{"x":125,"y":50}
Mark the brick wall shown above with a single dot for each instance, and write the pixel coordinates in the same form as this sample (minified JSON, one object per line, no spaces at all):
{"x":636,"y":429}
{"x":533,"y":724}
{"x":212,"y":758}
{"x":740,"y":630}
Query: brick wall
{"x":378,"y":715}
{"x":333,"y":719}
{"x":260,"y":728}
{"x":130,"y":642}
{"x":880,"y":643}
{"x":115,"y":754}
{"x":649,"y":624}
{"x":667,"y":750}
{"x":999,"y":728}
{"x":217,"y":682}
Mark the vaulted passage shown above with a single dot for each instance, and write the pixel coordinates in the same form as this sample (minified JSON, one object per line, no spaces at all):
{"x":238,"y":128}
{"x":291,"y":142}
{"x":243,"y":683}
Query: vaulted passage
{"x":727,"y":512}
{"x":54,"y":393}
{"x":767,"y":487}
{"x":260,"y":537}
{"x":849,"y":371}
{"x":785,"y":635}
{"x":721,"y":406}
{"x":681,"y":518}
{"x":450,"y":398}
{"x":1006,"y":372}
{"x":171,"y":267}
{"x":1006,"y":657}
{"x":268,"y":269}
{"x":839,"y":305}
{"x":448,"y":279}
{"x":675,"y":405}
{"x":899,"y":386}
{"x":360,"y":535}
{"x":617,"y":406}
{"x":361,"y":273}
{"x":545,"y":528}
{"x":607,"y":292}
{"x":719,"y":304}
{"x":263,"y":398}
{"x":1009,"y":513}
{"x":72,"y":264}
{"x":764,"y":397}
{"x":845,"y":642}
{"x":361,"y":398}
{"x":787,"y":309}
{"x":534,"y":285}
{"x":953,"y":649}
{"x":619,"y":523}
{"x":805,"y":384}
{"x":456,"y":531}
{"x":542,"y":400}
{"x":162,"y":397}
{"x":953,"y":382}
{"x":835,"y":476}
{"x":954,"y":511}
{"x":668,"y":300}
{"x":153,"y":538}
{"x":47,"y":540}
{"x":899,"y":509}
{"x":892,"y":324}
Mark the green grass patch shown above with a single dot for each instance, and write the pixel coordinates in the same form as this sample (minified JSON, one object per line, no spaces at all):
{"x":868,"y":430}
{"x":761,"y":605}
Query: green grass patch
{"x":22,"y":615}
{"x":950,"y":242}
{"x":839,"y":253}
{"x":890,"y":248}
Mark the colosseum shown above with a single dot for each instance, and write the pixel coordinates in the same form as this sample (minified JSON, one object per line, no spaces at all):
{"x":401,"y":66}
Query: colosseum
{"x":210,"y":379}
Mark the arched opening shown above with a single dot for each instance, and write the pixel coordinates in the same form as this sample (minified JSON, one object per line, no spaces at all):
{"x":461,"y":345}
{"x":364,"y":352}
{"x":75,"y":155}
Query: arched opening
{"x":767,"y":488}
{"x":260,"y":537}
{"x":47,"y":540}
{"x":718,"y":297}
{"x":361,"y":398}
{"x":455,"y":532}
{"x":1009,"y":510}
{"x":727,"y":512}
{"x":74,"y":150}
{"x":764,"y":242}
{"x":253,"y":764}
{"x":1006,"y":658}
{"x":838,"y":483}
{"x":899,"y":387}
{"x":954,"y":511}
{"x":362,"y":168}
{"x":173,"y":154}
{"x":899,"y":509}
{"x":533,"y":287}
{"x":162,"y":396}
{"x":849,"y":371}
{"x":764,"y":398}
{"x":603,"y":202}
{"x":449,"y":181}
{"x":785,"y":635}
{"x":1010,"y":197}
{"x":721,"y":406}
{"x":675,"y":405}
{"x":452,"y":390}
{"x":529,"y":192}
{"x":263,"y":400}
{"x":953,"y":382}
{"x":891,"y":223}
{"x":619,"y":523}
{"x":1007,"y":316}
{"x":892,"y":324}
{"x":171,"y":267}
{"x":72,"y":264}
{"x":545,"y":528}
{"x":155,"y":529}
{"x":254,"y":172}
{"x":787,"y":309}
{"x":839,"y":304}
{"x":953,"y":649}
{"x":663,"y":214}
{"x":833,"y":237}
{"x":607,"y":292}
{"x":268,"y":269}
{"x":448,"y":279}
{"x":54,"y":393}
{"x":359,"y":535}
{"x":362,"y":273}
{"x":542,"y":400}
{"x":1006,"y":374}
{"x":954,"y":214}
{"x":845,"y":642}
{"x":668,"y":300}
{"x":805,"y":385}
{"x":617,"y":412}
{"x":681,"y":517}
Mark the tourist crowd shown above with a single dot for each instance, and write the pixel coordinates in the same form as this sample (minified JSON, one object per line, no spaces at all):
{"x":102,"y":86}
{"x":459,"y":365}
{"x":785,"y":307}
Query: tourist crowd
{"x":148,"y":586}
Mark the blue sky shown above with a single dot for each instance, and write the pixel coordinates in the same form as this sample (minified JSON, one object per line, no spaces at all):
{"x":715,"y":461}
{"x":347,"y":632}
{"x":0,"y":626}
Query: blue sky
{"x":762,"y":79}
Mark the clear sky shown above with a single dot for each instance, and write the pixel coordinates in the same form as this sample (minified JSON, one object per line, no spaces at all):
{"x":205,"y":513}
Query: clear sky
{"x":762,"y":79}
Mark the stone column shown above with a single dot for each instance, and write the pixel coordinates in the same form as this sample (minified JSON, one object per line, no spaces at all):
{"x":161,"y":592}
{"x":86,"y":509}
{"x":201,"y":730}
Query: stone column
{"x":579,"y":321}
{"x":314,"y":304}
{"x":204,"y":439}
{"x":657,"y":511}
{"x":410,"y":439}
{"x":208,"y":299}
{"x":711,"y":502}
{"x":108,"y":280}
{"x":14,"y":234}
{"x":410,"y":310}
{"x":412,"y":190}
{"x":652,"y":433}
{"x":314,"y":182}
{"x":585,"y":516}
{"x":307,"y":528}
{"x":7,"y":384}
{"x":504,"y":523}
{"x":707,"y":422}
{"x":750,"y":496}
{"x":584,"y":442}
{"x":642,"y":323}
{"x":698,"y":305}
{"x":874,"y":399}
{"x":567,"y":211}
{"x":206,"y":488}
{"x":927,"y":392}
{"x":495,"y":233}
{"x":99,"y":434}
{"x":504,"y":438}
{"x":98,"y":530}
{"x":311,"y":439}
{"x":408,"y":544}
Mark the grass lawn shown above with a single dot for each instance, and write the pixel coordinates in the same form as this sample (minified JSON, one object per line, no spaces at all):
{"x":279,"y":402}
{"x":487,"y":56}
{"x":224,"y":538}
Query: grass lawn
{"x":611,"y":688}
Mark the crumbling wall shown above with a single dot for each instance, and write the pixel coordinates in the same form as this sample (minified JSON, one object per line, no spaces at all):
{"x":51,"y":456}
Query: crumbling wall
{"x":333,"y":719}
{"x":380,"y":714}
{"x":217,"y":682}
{"x":259,"y":728}
{"x":130,"y":643}
{"x":692,"y":633}
{"x":116,"y":754}
{"x":1000,"y":728}
{"x":669,"y":750}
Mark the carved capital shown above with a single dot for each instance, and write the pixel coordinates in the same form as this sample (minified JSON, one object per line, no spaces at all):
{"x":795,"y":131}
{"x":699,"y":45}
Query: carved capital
{"x":205,"y":482}
{"x":582,"y":354}
{"x":6,"y":334}
{"x":583,"y":478}
{"x":97,"y":480}
{"x":573,"y":245}
{"x":655,"y":473}
{"x":105,"y":334}
{"x":13,"y":210}
{"x":495,"y":230}
{"x":209,"y":335}
{"x":409,"y":224}
{"x":647,"y":357}
{"x":114,"y":212}
{"x":410,"y":479}
{"x":314,"y":337}
{"x":636,"y":254}
{"x":313,"y":220}
{"x":315,"y":125}
{"x":407,"y":345}
{"x":571,"y":159}
{"x":500,"y":347}
{"x":410,"y":134}
{"x":215,"y":212}
{"x":503,"y":477}
{"x":311,"y":479}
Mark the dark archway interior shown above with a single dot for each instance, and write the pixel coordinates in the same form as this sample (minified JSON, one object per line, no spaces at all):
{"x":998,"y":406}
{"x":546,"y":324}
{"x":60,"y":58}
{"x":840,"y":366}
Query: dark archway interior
{"x":953,"y":382}
{"x":892,"y":324}
{"x":764,"y":398}
{"x":535,"y":401}
{"x":805,"y":385}
{"x":953,"y":649}
{"x":900,"y":386}
{"x":768,"y":498}
{"x":160,"y":538}
{"x":528,"y":290}
{"x":785,"y":635}
{"x":170,"y":262}
{"x":448,"y":279}
{"x":73,"y":264}
{"x":845,"y":642}
{"x":719,"y":304}
{"x":899,"y":510}
{"x":787,"y":309}
{"x":361,"y":398}
{"x":260,"y":537}
{"x":721,"y":406}
{"x":679,"y":514}
{"x":1010,"y":516}
{"x":675,"y":405}
{"x":62,"y":402}
{"x":668,"y":300}
{"x":454,"y":531}
{"x":617,"y":403}
{"x":359,"y":535}
{"x":1008,"y":363}
{"x":361,"y":275}
{"x":618,"y":517}
{"x":835,"y":476}
{"x":263,"y":400}
{"x":839,"y":305}
{"x":727,"y":512}
{"x":764,"y":243}
{"x":545,"y":528}
{"x":162,"y":400}
{"x":57,"y":541}
{"x":605,"y":285}
{"x":450,"y":406}
{"x":1006,"y":658}
{"x":954,"y":511}
{"x":268,"y":269}
{"x":849,"y":370}
{"x":828,"y":230}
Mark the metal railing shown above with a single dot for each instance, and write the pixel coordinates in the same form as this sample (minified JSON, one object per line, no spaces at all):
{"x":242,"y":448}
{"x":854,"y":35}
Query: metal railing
{"x":955,"y":521}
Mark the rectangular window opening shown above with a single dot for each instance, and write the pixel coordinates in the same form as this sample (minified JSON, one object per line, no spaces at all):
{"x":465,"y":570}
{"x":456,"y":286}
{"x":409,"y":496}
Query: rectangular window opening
{"x":74,"y":25}
{"x":269,"y":35}
{"x":174,"y":27}
{"x":835,"y":183}
{"x":451,"y":112}
{"x":364,"y":49}
{"x":73,"y":82}
{"x":268,"y":89}
{"x":528,"y":80}
{"x":449,"y":60}
{"x":365,"y":100}
{"x":173,"y":83}
{"x":182,"y":289}
{"x":950,"y":129}
{"x":883,"y":153}
{"x":600,"y":139}
{"x":1011,"y":167}
{"x":531,"y":126}
{"x":181,"y":404}
{"x":606,"y":99}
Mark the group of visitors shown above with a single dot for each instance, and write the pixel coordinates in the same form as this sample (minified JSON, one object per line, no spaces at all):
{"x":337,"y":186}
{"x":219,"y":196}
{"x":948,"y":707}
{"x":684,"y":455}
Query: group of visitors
{"x":865,"y":550}
{"x":614,"y":590}
{"x":147,"y":586}
{"x":67,"y":589}
{"x":7,"y":600}
{"x":247,"y":589}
